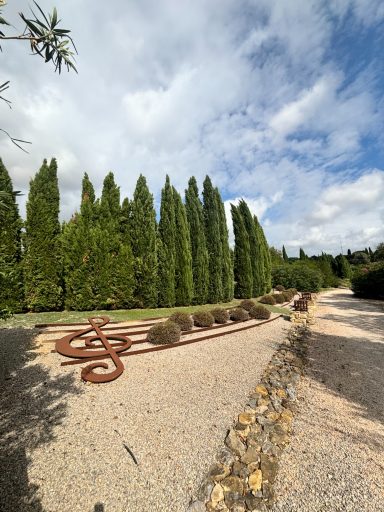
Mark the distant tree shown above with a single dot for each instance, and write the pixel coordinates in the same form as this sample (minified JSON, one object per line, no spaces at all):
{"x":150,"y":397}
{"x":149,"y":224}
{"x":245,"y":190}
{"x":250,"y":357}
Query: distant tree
{"x":227,"y":267}
{"x":167,"y":234}
{"x":11,"y":280}
{"x":276,"y":256}
{"x":285,"y":255}
{"x":42,"y":262}
{"x":302,"y":255}
{"x":370,"y":253}
{"x":242,"y":265}
{"x":53,"y":44}
{"x":378,"y":255}
{"x":359,"y":258}
{"x":342,"y":267}
{"x":183,"y":255}
{"x":143,"y":235}
{"x":200,"y":259}
{"x":213,"y":240}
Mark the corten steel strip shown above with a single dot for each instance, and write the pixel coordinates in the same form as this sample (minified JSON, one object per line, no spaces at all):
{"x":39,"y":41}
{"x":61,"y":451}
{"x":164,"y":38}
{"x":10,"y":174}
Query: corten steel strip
{"x":174,"y":345}
{"x":64,"y":347}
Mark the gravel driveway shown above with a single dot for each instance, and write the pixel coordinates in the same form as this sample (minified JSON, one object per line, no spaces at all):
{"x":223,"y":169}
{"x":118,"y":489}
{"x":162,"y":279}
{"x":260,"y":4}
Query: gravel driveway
{"x":336,"y":460}
{"x":63,"y":441}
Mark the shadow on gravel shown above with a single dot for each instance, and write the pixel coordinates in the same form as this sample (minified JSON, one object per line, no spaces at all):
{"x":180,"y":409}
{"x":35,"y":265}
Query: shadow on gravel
{"x":353,"y":368}
{"x":349,"y":301}
{"x":371,"y":323}
{"x":32,"y":403}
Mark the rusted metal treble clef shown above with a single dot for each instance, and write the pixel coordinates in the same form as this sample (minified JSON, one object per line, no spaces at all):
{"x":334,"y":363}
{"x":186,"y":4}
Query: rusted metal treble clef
{"x":64,"y":347}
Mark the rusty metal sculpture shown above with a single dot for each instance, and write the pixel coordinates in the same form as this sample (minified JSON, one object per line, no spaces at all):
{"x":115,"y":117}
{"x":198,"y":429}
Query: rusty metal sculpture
{"x":64,"y":347}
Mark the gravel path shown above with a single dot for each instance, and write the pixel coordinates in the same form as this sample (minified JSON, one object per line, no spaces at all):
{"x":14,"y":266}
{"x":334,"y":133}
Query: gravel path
{"x":335,"y":462}
{"x":64,"y":439}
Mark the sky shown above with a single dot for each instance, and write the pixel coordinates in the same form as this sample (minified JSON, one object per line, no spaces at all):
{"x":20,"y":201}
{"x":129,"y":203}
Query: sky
{"x":280,"y":102}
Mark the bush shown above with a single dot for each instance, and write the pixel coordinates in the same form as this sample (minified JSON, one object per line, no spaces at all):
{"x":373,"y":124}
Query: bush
{"x":288,"y":296}
{"x":220,"y":315}
{"x":293,"y":291}
{"x":164,"y":333}
{"x":182,"y":319}
{"x":247,"y":304}
{"x":259,"y":312}
{"x":203,"y":319}
{"x":268,"y":299}
{"x":303,"y":275}
{"x":369,"y":282}
{"x":279,"y":288}
{"x":239,"y":314}
{"x":279,"y":298}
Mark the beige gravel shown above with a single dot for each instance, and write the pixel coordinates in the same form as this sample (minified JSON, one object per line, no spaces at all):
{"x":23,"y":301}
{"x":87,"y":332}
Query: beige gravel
{"x":336,"y":460}
{"x":171,"y":408}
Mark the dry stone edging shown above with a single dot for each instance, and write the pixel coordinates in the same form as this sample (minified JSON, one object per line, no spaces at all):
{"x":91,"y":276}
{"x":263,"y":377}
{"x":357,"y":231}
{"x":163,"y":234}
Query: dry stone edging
{"x":242,"y":478}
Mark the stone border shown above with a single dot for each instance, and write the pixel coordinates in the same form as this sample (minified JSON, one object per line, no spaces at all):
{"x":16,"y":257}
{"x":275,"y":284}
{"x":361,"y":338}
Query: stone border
{"x":242,"y":478}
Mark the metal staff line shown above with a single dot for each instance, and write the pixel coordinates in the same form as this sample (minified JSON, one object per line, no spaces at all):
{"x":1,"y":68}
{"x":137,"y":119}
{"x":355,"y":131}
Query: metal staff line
{"x":166,"y":347}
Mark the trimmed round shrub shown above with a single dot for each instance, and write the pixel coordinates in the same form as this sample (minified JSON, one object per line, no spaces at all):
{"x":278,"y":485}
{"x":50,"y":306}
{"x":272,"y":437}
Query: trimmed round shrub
{"x":164,"y":333}
{"x":279,"y":298}
{"x":239,"y":314}
{"x":183,"y":319}
{"x":268,"y":299}
{"x":279,"y":288}
{"x":220,"y":315}
{"x":293,"y":291}
{"x":288,"y":296}
{"x":203,"y":319}
{"x":260,"y":312}
{"x":247,"y":304}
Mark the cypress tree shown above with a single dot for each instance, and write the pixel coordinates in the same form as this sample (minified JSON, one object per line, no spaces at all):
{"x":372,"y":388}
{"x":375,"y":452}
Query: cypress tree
{"x":167,"y":232}
{"x":213,"y":240}
{"x":11,"y":281}
{"x":227,"y":267}
{"x":183,"y":256}
{"x":42,"y":265}
{"x":258,"y":276}
{"x":302,"y":254}
{"x":266,"y":256}
{"x":242,"y":265}
{"x":285,"y":255}
{"x":78,"y":257}
{"x":200,"y":263}
{"x":143,"y":237}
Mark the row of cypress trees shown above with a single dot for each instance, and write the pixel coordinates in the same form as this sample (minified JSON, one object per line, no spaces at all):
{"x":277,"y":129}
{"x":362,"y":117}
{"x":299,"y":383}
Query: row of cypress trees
{"x":114,"y":254}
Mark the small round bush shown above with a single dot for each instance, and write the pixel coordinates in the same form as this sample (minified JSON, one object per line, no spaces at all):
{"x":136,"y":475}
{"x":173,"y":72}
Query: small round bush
{"x":259,"y":312}
{"x":183,"y":319}
{"x":279,"y":298}
{"x":247,"y":304}
{"x":239,"y":314}
{"x":220,"y":315}
{"x":293,"y":291}
{"x":288,"y":296}
{"x":164,"y":333}
{"x":268,"y":299}
{"x":279,"y":288}
{"x":203,"y":319}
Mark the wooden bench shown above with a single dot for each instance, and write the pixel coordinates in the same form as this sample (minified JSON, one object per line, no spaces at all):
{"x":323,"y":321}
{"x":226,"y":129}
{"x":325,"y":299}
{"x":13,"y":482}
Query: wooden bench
{"x":306,"y":295}
{"x":300,"y":305}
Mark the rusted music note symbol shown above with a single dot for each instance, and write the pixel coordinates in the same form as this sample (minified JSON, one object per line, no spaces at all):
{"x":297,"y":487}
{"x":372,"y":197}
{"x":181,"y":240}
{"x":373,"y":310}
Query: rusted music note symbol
{"x":64,"y":347}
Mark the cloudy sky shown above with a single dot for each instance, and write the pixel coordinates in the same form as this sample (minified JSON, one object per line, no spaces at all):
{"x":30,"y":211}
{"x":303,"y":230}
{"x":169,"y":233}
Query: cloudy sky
{"x":280,"y":102}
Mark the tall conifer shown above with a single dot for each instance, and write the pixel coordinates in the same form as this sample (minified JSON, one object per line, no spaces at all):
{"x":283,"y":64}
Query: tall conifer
{"x":11,"y":281}
{"x":167,"y":230}
{"x":255,"y":246}
{"x":143,"y":237}
{"x":242,"y":265}
{"x":200,"y":263}
{"x":213,"y":239}
{"x":183,"y":256}
{"x":266,"y":256}
{"x":285,"y":255}
{"x":227,"y":267}
{"x":42,"y":265}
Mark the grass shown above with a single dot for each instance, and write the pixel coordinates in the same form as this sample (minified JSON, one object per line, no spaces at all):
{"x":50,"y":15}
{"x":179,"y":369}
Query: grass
{"x":28,"y":320}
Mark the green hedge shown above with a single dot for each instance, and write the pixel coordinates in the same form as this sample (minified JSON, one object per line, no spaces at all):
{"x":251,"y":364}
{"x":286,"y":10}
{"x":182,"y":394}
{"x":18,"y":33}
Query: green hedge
{"x":299,"y":275}
{"x":369,"y":282}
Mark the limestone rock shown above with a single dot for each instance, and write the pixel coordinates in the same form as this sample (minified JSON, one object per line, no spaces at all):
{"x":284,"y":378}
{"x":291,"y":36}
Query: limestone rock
{"x":233,"y":484}
{"x":262,"y":390}
{"x":234,"y":443}
{"x":217,"y":494}
{"x":218,"y":472}
{"x":251,"y":455}
{"x":246,"y":418}
{"x":197,"y":506}
{"x":255,"y":480}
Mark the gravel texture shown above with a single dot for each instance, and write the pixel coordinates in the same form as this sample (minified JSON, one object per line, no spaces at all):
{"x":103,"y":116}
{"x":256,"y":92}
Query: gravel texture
{"x":335,"y":462}
{"x":64,"y":440}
